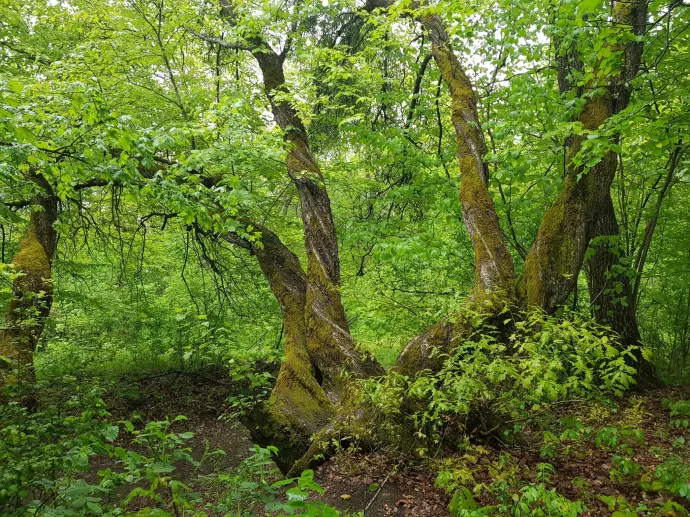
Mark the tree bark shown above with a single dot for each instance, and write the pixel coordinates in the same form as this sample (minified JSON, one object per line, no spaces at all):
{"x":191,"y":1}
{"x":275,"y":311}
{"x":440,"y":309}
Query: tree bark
{"x":556,"y":256}
{"x":320,"y":356}
{"x":610,"y":290}
{"x":32,"y":294}
{"x":298,"y":407}
{"x":555,"y":259}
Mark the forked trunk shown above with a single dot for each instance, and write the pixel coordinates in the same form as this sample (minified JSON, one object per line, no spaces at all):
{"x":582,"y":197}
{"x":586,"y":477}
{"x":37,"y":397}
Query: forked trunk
{"x":328,"y":339}
{"x":320,"y":354}
{"x":556,"y":256}
{"x":555,"y":259}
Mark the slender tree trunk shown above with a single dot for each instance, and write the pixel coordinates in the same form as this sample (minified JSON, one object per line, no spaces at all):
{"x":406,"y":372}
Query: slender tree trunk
{"x":610,"y":290}
{"x":33,"y":296}
{"x":494,"y":269}
{"x":645,"y":245}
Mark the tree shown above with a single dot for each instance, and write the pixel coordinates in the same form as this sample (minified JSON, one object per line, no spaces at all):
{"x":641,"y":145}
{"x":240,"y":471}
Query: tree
{"x":166,"y":102}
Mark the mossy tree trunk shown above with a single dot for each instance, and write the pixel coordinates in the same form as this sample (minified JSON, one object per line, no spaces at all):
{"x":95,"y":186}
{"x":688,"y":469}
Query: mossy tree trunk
{"x":556,"y":256}
{"x":32,"y":295}
{"x":313,"y":385}
{"x":610,"y":290}
{"x":494,"y":269}
{"x":328,"y":340}
{"x":581,"y":212}
{"x":555,"y":259}
{"x":298,"y":407}
{"x":493,"y":263}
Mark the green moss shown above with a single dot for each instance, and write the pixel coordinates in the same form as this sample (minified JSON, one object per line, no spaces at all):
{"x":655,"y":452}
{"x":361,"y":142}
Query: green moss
{"x":494,"y":268}
{"x":597,"y":110}
{"x":32,"y":261}
{"x":297,"y":401}
{"x":427,"y":350}
{"x":554,"y":260}
{"x":18,"y":340}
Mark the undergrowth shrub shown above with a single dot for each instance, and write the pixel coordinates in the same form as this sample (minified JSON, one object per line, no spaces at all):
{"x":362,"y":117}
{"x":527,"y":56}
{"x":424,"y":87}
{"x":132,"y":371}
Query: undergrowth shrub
{"x":487,"y":380}
{"x":47,"y":469}
{"x":533,"y":500}
{"x":43,"y":454}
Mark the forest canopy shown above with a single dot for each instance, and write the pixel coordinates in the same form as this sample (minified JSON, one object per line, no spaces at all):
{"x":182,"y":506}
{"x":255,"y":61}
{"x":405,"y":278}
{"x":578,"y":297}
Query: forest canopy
{"x":381,"y":225}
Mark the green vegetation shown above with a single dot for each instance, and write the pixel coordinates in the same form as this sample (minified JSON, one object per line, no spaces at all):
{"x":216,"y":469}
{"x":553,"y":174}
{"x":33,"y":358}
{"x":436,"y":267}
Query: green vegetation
{"x":344,"y":257}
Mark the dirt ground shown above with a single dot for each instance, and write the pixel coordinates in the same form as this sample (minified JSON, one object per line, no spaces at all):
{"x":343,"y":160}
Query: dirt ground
{"x":383,"y":486}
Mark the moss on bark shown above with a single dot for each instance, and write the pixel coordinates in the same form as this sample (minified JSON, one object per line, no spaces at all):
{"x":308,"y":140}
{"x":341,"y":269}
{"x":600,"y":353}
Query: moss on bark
{"x":494,"y":268}
{"x":30,"y":306}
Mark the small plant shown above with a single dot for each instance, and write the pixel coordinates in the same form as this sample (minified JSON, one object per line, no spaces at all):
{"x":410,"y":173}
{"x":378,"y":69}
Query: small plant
{"x":537,"y":500}
{"x":544,"y":472}
{"x":619,"y":506}
{"x":164,"y":450}
{"x":43,"y":454}
{"x":549,"y":448}
{"x":624,"y":469}
{"x":582,"y":485}
{"x":464,"y":505}
{"x":680,"y":412}
{"x":255,"y":484}
{"x":454,"y":473}
{"x":533,"y":500}
{"x":614,"y":438}
{"x":671,"y":476}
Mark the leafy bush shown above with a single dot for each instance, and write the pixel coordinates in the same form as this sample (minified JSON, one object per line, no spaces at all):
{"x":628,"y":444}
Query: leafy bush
{"x":545,"y":360}
{"x":613,"y":438}
{"x":671,"y":476}
{"x":42,"y":455}
{"x":537,"y":500}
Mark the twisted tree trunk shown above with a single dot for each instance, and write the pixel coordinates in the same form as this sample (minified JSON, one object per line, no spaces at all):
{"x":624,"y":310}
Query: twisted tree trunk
{"x":582,"y":211}
{"x":494,"y":269}
{"x":329,"y":342}
{"x":611,"y":292}
{"x":298,"y":407}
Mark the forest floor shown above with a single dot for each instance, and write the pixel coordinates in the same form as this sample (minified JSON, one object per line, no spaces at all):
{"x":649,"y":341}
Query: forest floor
{"x":381,"y":485}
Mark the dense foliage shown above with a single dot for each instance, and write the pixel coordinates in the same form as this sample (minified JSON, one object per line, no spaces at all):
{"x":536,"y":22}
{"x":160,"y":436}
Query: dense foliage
{"x":396,"y":226}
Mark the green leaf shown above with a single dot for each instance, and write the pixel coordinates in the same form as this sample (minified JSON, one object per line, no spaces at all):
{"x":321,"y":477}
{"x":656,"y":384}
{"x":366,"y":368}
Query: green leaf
{"x":15,"y":85}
